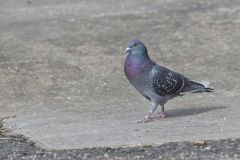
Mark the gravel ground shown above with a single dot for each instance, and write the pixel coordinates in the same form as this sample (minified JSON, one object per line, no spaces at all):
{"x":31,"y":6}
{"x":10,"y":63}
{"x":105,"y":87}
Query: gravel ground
{"x":19,"y":147}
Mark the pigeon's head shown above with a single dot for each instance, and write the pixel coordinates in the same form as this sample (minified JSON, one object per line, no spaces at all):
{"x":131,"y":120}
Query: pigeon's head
{"x":136,"y":47}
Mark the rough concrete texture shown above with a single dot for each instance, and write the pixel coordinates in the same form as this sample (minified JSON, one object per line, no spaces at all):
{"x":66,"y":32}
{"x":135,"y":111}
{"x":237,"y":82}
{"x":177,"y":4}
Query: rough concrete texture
{"x":61,"y":70}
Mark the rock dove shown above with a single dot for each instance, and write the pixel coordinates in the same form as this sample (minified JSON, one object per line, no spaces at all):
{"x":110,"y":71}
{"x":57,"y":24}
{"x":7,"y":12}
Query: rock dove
{"x":157,"y":83}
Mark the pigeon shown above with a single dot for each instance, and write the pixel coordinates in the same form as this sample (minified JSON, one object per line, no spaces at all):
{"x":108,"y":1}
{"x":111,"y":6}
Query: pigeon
{"x":156,"y":83}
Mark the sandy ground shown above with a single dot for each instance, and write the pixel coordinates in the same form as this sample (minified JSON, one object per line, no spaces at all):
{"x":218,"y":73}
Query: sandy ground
{"x":61,"y":70}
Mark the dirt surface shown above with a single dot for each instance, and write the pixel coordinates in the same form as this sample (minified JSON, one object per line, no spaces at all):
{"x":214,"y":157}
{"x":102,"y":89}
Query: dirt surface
{"x":61,"y":70}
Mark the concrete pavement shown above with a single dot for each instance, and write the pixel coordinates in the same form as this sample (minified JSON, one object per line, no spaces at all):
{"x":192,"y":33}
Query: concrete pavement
{"x":61,"y":70}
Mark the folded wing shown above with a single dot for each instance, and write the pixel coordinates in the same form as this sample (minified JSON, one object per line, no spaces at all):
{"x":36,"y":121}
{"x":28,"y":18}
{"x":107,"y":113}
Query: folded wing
{"x":166,"y":82}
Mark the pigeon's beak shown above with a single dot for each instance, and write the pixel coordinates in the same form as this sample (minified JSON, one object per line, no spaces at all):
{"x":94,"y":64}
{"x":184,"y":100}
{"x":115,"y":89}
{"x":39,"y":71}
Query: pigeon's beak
{"x":127,"y":50}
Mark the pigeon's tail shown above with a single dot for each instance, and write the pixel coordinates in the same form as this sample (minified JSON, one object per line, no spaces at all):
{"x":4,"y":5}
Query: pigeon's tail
{"x":198,"y":86}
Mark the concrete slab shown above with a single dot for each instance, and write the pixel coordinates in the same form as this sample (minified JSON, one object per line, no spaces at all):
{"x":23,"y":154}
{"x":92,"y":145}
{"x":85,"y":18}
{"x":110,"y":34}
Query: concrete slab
{"x":61,"y":70}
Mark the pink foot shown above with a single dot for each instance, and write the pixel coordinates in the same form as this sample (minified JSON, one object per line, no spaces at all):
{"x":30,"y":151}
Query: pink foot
{"x":146,"y":119}
{"x":161,"y":114}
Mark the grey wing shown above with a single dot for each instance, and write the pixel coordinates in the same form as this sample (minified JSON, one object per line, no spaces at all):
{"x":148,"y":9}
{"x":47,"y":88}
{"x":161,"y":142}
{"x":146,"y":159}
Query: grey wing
{"x":166,"y":82}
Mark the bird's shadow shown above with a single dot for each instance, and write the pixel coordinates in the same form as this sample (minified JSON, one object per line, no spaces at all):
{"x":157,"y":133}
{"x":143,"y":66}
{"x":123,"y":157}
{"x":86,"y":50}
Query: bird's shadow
{"x":192,"y":111}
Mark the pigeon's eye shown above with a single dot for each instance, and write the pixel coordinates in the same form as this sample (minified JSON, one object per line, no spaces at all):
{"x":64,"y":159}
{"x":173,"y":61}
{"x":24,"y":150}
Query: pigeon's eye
{"x":134,"y":44}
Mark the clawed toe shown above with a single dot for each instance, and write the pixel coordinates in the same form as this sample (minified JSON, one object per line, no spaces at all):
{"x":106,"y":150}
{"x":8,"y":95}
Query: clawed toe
{"x":151,"y":117}
{"x":146,"y":119}
{"x":161,"y":115}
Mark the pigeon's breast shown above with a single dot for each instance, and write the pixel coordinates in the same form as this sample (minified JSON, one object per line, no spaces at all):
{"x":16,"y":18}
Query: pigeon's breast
{"x":137,"y":73}
{"x":135,"y":67}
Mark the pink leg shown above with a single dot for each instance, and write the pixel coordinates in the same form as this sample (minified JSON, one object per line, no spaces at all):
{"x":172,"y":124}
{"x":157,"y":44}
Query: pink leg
{"x":161,"y":114}
{"x":147,"y":118}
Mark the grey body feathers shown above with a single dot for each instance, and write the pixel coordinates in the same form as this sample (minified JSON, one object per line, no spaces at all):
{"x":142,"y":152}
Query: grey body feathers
{"x":155,"y":82}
